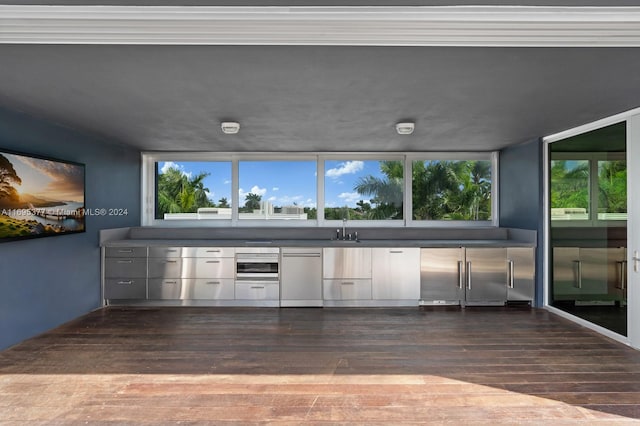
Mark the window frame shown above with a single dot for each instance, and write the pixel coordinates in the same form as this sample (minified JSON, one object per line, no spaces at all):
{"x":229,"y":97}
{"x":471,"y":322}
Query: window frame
{"x":148,"y":187}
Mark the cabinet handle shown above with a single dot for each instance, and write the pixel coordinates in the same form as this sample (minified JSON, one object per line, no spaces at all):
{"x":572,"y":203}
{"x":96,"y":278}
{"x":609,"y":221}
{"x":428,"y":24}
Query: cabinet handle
{"x":257,"y":286}
{"x":578,"y":264}
{"x":213,"y":261}
{"x":170,"y":261}
{"x":213,"y":282}
{"x":125,"y":261}
{"x":460,"y":274}
{"x":468,"y":275}
{"x":170,"y":282}
{"x":511,"y":273}
{"x":348,"y":283}
{"x":396,"y":251}
{"x":171,"y":251}
{"x":126,"y":282}
{"x":301,"y":255}
{"x":125,"y":251}
{"x":213,"y":251}
{"x":623,"y":274}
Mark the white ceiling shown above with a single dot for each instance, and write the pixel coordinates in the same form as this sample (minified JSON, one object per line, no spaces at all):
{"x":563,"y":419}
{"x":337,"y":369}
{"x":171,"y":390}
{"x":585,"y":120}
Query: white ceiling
{"x":318,"y":98}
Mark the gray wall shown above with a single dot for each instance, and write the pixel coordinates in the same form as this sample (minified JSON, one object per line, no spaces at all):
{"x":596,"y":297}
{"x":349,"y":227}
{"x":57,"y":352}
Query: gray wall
{"x":521,"y":196}
{"x":47,"y":281}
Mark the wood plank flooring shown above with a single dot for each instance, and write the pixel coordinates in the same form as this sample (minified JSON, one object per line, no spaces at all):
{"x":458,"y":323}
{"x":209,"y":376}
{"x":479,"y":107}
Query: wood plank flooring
{"x":320,"y":366}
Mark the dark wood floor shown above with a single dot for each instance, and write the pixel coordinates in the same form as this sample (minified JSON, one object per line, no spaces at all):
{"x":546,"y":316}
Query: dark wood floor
{"x":386,"y":366}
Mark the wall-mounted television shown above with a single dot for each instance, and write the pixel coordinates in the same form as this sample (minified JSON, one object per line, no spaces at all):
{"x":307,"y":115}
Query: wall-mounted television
{"x":40,"y":197}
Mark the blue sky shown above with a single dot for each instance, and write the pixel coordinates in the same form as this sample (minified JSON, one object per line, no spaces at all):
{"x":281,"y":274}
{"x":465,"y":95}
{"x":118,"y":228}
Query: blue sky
{"x":283,"y":182}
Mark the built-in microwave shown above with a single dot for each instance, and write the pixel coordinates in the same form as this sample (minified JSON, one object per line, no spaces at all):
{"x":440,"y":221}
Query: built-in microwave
{"x":258,"y":263}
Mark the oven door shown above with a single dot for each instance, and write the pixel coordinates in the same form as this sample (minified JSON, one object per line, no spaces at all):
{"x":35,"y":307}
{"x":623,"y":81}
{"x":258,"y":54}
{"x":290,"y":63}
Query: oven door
{"x":264,"y":266}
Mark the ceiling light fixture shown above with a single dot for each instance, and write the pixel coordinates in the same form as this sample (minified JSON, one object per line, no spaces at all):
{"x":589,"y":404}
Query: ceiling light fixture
{"x":230,"y":127}
{"x":405,"y":128}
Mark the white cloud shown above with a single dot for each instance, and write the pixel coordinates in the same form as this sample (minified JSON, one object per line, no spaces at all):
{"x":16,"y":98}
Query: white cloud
{"x":348,"y":168}
{"x":254,"y":190}
{"x":350,"y":197}
{"x":171,"y":165}
{"x":275,"y":188}
{"x":272,"y":199}
{"x":227,"y":182}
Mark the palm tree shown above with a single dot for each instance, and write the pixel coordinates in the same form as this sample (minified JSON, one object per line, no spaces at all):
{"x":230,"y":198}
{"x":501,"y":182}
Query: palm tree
{"x":178,"y":193}
{"x":252,"y":201}
{"x":385,"y":193}
{"x":223,"y":203}
{"x":433,"y":184}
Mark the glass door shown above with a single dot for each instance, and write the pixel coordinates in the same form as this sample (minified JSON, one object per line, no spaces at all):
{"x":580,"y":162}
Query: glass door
{"x":633,"y":261}
{"x":588,"y":227}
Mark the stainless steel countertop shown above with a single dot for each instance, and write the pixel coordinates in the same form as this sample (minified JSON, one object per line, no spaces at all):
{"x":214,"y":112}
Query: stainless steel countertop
{"x":315,"y":243}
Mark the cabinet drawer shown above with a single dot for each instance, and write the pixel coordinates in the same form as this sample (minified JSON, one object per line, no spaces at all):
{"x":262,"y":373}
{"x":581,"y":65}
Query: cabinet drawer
{"x":126,"y":252}
{"x":257,"y":291}
{"x":163,"y":251}
{"x":165,"y":289}
{"x":347,"y":289}
{"x":134,"y":267}
{"x":191,"y":267}
{"x":167,"y":267}
{"x":210,"y":267}
{"x":134,"y":288}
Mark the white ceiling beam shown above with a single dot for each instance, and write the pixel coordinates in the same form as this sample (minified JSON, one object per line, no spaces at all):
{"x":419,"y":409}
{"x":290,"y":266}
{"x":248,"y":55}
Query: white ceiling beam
{"x":331,"y":26}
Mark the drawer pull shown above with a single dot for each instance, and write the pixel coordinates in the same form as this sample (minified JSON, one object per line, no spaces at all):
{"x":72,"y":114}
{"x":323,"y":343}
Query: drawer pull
{"x":396,"y":251}
{"x":213,"y":282}
{"x":171,"y":251}
{"x":125,"y":261}
{"x":213,"y":261}
{"x":213,"y":251}
{"x":348,"y":283}
{"x":125,"y":251}
{"x":170,"y":282}
{"x":257,"y":286}
{"x":126,"y":282}
{"x":170,"y":261}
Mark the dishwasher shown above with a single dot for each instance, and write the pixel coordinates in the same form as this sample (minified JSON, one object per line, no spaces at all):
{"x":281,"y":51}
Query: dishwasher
{"x":301,"y":277}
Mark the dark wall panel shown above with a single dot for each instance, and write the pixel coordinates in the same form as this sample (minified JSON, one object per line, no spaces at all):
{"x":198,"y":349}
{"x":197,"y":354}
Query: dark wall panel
{"x":48,"y":281}
{"x":521,"y":196}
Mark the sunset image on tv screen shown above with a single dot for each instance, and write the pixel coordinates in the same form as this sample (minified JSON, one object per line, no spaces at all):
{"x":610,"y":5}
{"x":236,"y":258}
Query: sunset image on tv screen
{"x":39,"y":197}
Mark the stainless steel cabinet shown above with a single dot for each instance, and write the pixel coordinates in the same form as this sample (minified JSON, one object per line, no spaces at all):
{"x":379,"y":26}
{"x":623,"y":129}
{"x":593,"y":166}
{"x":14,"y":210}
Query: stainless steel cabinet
{"x":346,"y":273}
{"x":441,"y":276}
{"x":522,"y":271}
{"x":486,"y":276}
{"x":258,"y":290}
{"x":346,"y":262}
{"x":395,"y":274}
{"x":191,"y":273}
{"x":125,"y":273}
{"x":301,"y":277}
{"x":476,"y":275}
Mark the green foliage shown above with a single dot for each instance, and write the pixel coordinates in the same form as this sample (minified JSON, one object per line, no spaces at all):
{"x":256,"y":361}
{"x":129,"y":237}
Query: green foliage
{"x":178,"y":193}
{"x":252,"y":202}
{"x":612,"y":187}
{"x":451,"y":190}
{"x":570,"y":184}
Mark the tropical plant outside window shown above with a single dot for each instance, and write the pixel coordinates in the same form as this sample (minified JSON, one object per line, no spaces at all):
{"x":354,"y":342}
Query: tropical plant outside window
{"x":284,"y":190}
{"x":357,"y":189}
{"x":193,"y":190}
{"x":570,"y":189}
{"x":363,"y":190}
{"x":612,"y":190}
{"x":574,"y":183}
{"x":451,"y":190}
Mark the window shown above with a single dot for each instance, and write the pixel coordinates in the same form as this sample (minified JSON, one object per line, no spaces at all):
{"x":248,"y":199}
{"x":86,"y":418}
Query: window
{"x":363,"y":190}
{"x":612,"y":190}
{"x":586,"y":189}
{"x":451,"y":190}
{"x":193,"y":190}
{"x":284,"y":190}
{"x":570,"y":189}
{"x":307,"y":189}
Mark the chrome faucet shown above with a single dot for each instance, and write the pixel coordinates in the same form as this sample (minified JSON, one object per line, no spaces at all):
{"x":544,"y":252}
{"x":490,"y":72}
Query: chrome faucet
{"x":344,"y":229}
